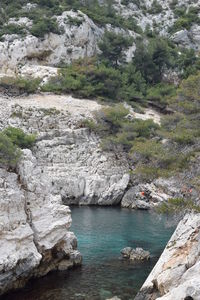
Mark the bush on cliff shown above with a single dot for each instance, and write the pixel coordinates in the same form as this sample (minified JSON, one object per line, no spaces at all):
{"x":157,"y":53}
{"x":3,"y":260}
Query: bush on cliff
{"x":9,"y":153}
{"x":44,"y":26}
{"x":12,"y":140}
{"x":19,"y":85}
{"x":117,"y":130}
{"x":112,"y":48}
{"x":19,"y":138}
{"x":177,"y":205}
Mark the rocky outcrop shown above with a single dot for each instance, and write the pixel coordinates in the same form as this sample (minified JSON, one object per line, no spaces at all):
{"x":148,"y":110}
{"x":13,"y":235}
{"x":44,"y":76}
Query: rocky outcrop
{"x":34,"y":227}
{"x":79,"y":37}
{"x":150,"y":195}
{"x":137,"y":254}
{"x":75,"y":41}
{"x":67,"y":166}
{"x":68,"y":153}
{"x":176,"y":274}
{"x":31,"y":56}
{"x":161,"y":19}
{"x":188,"y":38}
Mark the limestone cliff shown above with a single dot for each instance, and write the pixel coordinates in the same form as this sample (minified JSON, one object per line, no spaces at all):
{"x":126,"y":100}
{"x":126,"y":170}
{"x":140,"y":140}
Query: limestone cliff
{"x":34,"y":227}
{"x":67,"y":166}
{"x":176,"y":274}
{"x":68,"y":154}
{"x":79,"y":36}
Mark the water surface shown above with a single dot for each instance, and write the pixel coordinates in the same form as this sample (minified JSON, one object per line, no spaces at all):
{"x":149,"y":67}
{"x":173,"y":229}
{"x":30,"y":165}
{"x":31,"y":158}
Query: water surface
{"x":102,"y":233}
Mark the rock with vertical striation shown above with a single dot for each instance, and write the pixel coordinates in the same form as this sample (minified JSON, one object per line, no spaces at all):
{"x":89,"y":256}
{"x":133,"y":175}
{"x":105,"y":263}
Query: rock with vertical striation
{"x":176,"y":274}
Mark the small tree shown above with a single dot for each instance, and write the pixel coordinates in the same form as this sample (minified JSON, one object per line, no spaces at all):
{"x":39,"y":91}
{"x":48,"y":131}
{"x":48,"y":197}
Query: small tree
{"x":151,"y":59}
{"x":9,"y":153}
{"x":19,"y":138}
{"x":112,"y":48}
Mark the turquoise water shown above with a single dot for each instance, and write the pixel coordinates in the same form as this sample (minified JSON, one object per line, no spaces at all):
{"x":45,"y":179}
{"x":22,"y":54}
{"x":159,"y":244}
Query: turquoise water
{"x":102,"y":233}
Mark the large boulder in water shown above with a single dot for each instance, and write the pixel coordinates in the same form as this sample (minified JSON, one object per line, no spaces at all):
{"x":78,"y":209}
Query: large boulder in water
{"x":137,"y":254}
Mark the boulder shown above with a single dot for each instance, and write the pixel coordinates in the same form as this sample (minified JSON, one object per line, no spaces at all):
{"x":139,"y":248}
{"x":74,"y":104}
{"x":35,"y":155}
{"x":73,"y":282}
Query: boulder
{"x":150,"y":195}
{"x":126,"y":252}
{"x":137,"y":254}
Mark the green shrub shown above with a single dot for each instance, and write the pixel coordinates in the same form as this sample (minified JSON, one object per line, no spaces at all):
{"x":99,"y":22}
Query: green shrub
{"x":148,"y":149}
{"x":117,"y":130}
{"x":190,"y":88}
{"x":74,"y":21}
{"x":44,"y":26}
{"x":12,"y":29}
{"x":21,"y":84}
{"x":19,"y":138}
{"x":156,"y":8}
{"x":113,"y":116}
{"x":183,"y":137}
{"x":112,"y":48}
{"x":173,"y":4}
{"x":177,"y":205}
{"x":87,"y":79}
{"x":186,"y":19}
{"x":161,"y":92}
{"x":9,"y":153}
{"x":152,"y":59}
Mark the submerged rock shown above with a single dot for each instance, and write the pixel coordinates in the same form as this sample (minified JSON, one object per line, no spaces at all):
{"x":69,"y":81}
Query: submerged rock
{"x":137,"y":254}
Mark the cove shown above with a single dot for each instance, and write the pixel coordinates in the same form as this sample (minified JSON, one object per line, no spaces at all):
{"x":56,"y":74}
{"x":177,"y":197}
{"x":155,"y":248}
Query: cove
{"x":102,"y":232}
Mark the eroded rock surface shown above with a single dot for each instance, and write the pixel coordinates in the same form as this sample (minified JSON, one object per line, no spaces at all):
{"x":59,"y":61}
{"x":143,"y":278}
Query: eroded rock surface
{"x":150,"y":195}
{"x":67,"y":166}
{"x":176,"y":274}
{"x":79,"y":36}
{"x":137,"y":254}
{"x":68,"y":154}
{"x":74,"y":42}
{"x":34,"y":227}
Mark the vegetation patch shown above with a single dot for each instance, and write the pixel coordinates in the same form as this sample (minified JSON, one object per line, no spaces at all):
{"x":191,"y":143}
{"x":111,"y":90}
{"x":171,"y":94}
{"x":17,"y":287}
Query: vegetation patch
{"x":19,"y":85}
{"x":185,"y":18}
{"x":12,"y":140}
{"x":19,"y":138}
{"x":177,"y":205}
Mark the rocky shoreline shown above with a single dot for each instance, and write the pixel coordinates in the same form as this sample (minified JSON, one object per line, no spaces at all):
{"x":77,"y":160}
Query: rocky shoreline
{"x":34,"y":227}
{"x":176,"y":274}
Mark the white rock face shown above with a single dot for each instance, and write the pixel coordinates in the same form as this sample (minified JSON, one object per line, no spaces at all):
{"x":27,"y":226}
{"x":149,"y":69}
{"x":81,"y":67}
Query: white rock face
{"x":79,"y":37}
{"x":150,"y":195}
{"x":68,"y":154}
{"x":76,"y":41}
{"x":176,"y":274}
{"x":66,"y":165}
{"x":188,"y":38}
{"x":18,"y":253}
{"x":34,"y":227}
{"x":162,"y":19}
{"x":37,"y":71}
{"x":24,"y":21}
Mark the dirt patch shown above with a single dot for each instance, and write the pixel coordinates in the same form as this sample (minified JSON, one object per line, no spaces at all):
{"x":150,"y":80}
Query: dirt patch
{"x":66,"y":103}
